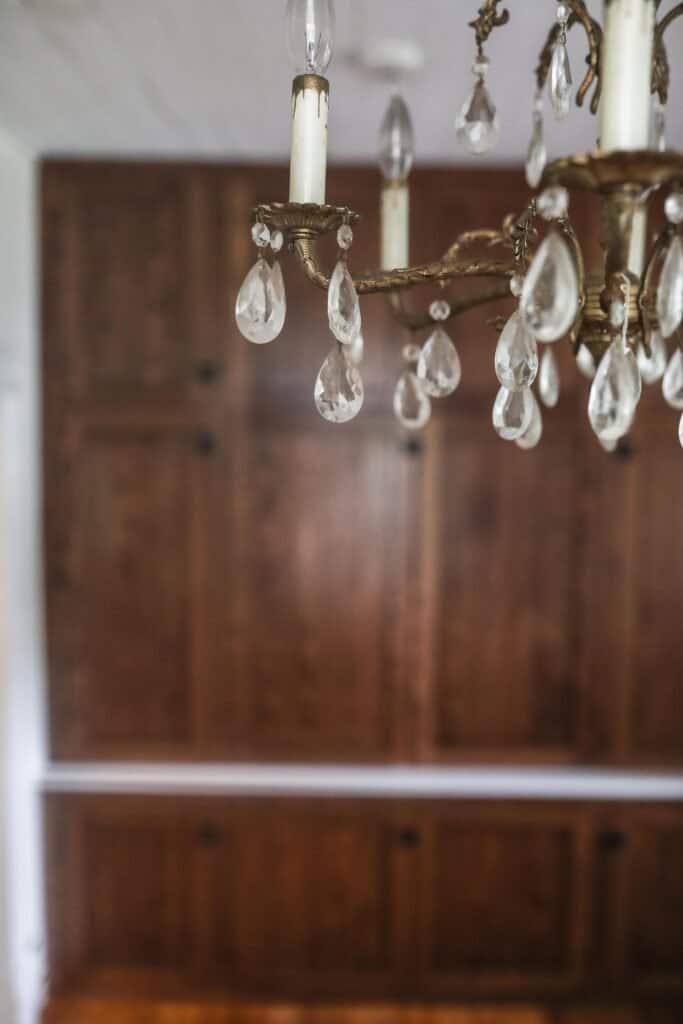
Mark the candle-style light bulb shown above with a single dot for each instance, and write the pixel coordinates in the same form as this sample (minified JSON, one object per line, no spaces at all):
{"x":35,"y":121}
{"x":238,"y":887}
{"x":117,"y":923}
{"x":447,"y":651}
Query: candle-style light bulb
{"x":310,"y":35}
{"x":396,"y":141}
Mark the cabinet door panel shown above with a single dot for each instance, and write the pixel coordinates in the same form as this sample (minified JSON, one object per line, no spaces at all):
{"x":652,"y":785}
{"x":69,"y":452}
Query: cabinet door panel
{"x":650,"y":941}
{"x":503,"y":899}
{"x":123,"y":591}
{"x":303,"y":898}
{"x":499,"y":536}
{"x":118,"y":895}
{"x":131,"y":278}
{"x":631,"y":591}
{"x":313,"y":526}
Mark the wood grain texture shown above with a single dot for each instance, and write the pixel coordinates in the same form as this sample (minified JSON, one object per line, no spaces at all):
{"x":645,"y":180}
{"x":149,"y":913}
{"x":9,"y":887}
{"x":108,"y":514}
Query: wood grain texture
{"x":119,"y":1012}
{"x":229,"y":577}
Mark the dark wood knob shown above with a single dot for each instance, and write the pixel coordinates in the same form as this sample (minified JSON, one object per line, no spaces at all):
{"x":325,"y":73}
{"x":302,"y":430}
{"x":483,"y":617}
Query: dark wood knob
{"x":207,"y":371}
{"x":412,"y":446}
{"x":209,"y":834}
{"x":205,"y":443}
{"x":409,"y":837}
{"x":612,"y":840}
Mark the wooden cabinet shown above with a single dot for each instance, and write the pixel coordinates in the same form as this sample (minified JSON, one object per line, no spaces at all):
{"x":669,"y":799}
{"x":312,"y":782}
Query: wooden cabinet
{"x":169,"y":896}
{"x":366,"y":898}
{"x":230,"y":578}
{"x":504,"y":899}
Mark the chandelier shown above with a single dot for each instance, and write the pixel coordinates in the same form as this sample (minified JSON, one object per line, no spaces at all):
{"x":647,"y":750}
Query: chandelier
{"x":622,"y":319}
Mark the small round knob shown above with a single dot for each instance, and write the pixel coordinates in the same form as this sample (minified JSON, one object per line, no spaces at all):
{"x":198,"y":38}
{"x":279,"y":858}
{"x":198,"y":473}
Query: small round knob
{"x":409,"y":837}
{"x":209,"y":834}
{"x":205,"y":443}
{"x":612,"y":840}
{"x":207,"y":371}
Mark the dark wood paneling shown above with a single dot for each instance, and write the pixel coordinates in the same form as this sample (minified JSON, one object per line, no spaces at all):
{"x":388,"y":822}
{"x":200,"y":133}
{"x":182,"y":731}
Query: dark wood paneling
{"x":504,"y":899}
{"x":312,"y":592}
{"x":650,"y":911}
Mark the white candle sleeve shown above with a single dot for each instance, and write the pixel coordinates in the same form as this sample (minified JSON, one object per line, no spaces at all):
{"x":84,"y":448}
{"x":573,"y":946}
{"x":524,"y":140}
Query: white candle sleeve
{"x":395,"y":225}
{"x":308,"y":167}
{"x":626,"y":74}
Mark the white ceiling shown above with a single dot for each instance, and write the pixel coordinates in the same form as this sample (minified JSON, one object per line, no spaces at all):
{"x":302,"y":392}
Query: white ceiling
{"x":211,"y":77}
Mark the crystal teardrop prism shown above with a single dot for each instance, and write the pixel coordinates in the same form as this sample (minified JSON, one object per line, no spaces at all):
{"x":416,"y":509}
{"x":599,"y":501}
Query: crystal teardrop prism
{"x":438,"y":368}
{"x":339,"y":389}
{"x":534,"y":432}
{"x":634,"y":369}
{"x":356,"y":350}
{"x":560,"y":80}
{"x":537,"y":154}
{"x":549,"y":380}
{"x":476,"y":126}
{"x":613,"y":395}
{"x":670,"y":290}
{"x":550,"y":296}
{"x":261,"y":304}
{"x":672,"y":384}
{"x":585,"y":362}
{"x":680,"y":430}
{"x":516,"y":358}
{"x":412,"y":406}
{"x":652,"y":366}
{"x":512,"y":413}
{"x":343,"y":307}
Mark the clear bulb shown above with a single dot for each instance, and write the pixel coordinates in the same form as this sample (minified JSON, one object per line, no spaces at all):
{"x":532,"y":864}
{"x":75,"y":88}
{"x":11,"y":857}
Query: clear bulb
{"x":310,"y":32}
{"x":396,"y":141}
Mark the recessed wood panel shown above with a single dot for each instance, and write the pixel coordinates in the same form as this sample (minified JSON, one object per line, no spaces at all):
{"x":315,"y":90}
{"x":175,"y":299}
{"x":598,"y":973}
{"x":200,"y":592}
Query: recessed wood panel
{"x":499,"y":542}
{"x":131,"y":276}
{"x":314,"y":529}
{"x":125,"y":589}
{"x":301,"y":897}
{"x":504,"y":899}
{"x":652,"y":936}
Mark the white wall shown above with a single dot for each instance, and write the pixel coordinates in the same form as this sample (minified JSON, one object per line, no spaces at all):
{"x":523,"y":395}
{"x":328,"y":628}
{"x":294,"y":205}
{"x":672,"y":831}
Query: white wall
{"x":21,"y":627}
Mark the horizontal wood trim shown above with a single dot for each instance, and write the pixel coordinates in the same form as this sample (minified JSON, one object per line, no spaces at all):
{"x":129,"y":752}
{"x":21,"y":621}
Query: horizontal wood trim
{"x":370,"y":781}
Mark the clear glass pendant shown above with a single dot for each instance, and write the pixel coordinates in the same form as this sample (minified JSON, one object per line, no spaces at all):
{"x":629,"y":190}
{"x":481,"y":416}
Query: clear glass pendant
{"x":261,"y":305}
{"x":343,"y":307}
{"x":339,"y":389}
{"x":549,"y":380}
{"x":614,"y":394}
{"x":585,"y":362}
{"x":355,"y":351}
{"x":477,"y":126}
{"x":550,"y":296}
{"x":516,"y":358}
{"x":560,"y":80}
{"x":672,"y":384}
{"x":534,"y":432}
{"x":652,"y":366}
{"x":412,"y":407}
{"x":680,"y":430}
{"x":658,"y":131}
{"x":512,"y":413}
{"x":537,"y":155}
{"x":670,"y":290}
{"x":438,"y":368}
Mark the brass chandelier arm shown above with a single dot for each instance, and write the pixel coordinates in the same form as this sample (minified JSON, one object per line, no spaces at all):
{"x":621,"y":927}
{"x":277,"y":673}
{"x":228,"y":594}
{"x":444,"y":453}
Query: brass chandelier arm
{"x":304,"y":249}
{"x":488,"y":18}
{"x":579,"y":15}
{"x":660,"y":68}
{"x":420,"y":321}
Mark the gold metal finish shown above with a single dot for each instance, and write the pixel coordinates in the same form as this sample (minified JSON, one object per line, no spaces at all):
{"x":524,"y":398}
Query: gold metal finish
{"x":303,"y":219}
{"x":310,"y":83}
{"x":604,"y":172}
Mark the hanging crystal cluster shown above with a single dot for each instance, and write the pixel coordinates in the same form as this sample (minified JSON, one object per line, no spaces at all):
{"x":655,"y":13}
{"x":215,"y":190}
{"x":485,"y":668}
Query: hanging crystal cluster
{"x":436,"y":374}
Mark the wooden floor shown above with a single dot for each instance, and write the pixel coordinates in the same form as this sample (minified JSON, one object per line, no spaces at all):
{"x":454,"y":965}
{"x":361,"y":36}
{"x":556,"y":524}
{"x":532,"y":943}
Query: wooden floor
{"x":94,"y":1012}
